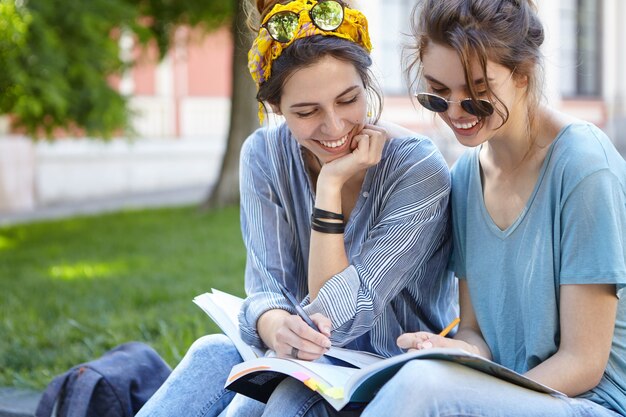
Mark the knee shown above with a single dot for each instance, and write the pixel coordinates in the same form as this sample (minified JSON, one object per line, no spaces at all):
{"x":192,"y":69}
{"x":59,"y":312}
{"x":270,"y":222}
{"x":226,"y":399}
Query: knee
{"x":207,"y":348}
{"x":428,"y":378}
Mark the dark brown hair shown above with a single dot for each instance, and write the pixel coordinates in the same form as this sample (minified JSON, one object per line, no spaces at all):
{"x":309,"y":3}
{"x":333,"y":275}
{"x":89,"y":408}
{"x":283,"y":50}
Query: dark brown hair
{"x":307,"y":51}
{"x":506,"y":32}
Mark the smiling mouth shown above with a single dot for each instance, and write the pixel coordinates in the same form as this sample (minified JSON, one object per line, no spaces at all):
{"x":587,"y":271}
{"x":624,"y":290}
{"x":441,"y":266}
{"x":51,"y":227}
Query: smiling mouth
{"x":335,"y":143}
{"x":468,"y":125}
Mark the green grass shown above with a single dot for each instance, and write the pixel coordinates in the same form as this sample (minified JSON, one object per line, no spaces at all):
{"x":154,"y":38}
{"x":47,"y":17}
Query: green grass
{"x":72,"y":289}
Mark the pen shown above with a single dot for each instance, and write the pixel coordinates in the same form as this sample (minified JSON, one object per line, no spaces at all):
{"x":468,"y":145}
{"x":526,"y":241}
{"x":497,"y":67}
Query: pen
{"x":296,"y":305}
{"x":449,"y":327}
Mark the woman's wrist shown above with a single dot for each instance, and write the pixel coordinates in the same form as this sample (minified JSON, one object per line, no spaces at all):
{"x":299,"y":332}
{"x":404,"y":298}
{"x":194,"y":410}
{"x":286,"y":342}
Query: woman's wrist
{"x":329,"y":183}
{"x":267,"y":324}
{"x":325,"y":221}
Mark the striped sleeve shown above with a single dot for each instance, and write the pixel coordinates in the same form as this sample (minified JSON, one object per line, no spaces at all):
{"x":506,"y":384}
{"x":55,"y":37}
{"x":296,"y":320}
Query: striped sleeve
{"x":268,"y":237}
{"x":407,"y":247}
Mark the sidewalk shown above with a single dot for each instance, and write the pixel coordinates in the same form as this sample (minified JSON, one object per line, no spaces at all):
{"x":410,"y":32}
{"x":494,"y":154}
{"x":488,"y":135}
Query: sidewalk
{"x":171,"y":198}
{"x":18,"y":403}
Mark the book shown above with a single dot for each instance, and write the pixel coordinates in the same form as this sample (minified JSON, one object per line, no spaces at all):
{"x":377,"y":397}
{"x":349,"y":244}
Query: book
{"x":223,"y":308}
{"x":343,"y":387}
{"x":347,"y":388}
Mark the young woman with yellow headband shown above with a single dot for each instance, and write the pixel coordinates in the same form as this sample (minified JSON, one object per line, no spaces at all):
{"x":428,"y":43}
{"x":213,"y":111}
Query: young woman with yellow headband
{"x":353,"y":221}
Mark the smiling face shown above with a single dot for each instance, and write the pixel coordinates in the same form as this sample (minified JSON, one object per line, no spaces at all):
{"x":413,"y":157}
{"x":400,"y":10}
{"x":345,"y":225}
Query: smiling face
{"x":444,"y":76}
{"x":325,"y":106}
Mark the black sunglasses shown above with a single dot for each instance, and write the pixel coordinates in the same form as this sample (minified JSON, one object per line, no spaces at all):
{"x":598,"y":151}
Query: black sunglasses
{"x":327,"y":15}
{"x":478,"y":107}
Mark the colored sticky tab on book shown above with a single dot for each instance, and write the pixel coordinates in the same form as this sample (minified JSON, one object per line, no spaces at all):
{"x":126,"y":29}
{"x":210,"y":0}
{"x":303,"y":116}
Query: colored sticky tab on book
{"x":333,"y":392}
{"x":312,"y":384}
{"x":300,"y":376}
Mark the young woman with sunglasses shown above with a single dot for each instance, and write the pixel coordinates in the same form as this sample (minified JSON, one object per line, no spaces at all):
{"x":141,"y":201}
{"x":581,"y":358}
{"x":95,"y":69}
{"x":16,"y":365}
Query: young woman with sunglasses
{"x":352,"y":218}
{"x":539,"y":226}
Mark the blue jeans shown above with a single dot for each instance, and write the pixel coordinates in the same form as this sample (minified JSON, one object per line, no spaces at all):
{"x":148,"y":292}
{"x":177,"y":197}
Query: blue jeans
{"x":293,"y":399}
{"x":196,"y":387}
{"x":438,"y":388}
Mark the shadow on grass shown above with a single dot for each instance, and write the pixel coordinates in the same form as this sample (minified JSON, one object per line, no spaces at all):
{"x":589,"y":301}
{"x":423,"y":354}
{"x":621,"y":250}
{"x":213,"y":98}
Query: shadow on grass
{"x":72,"y":289}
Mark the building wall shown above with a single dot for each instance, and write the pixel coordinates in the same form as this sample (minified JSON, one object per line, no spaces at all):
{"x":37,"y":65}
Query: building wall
{"x":182,"y":104}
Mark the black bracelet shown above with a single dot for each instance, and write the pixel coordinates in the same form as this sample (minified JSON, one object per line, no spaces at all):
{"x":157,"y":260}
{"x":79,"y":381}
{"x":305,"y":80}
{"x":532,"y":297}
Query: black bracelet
{"x":323,"y":214}
{"x":327,"y":227}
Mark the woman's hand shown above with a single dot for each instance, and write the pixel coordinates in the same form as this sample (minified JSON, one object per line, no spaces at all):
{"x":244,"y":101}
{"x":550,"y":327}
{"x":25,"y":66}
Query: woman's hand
{"x":367,"y":148}
{"x":425,"y":340}
{"x":283,"y":332}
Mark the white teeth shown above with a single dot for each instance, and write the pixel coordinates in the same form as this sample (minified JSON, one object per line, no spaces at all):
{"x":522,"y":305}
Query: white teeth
{"x":336,"y":143}
{"x":465,"y":125}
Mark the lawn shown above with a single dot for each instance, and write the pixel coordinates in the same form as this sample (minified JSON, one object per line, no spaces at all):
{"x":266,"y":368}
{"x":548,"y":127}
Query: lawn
{"x":72,"y":289}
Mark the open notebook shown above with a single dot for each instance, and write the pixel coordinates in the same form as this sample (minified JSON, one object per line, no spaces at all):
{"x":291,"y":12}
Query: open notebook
{"x":342,"y":386}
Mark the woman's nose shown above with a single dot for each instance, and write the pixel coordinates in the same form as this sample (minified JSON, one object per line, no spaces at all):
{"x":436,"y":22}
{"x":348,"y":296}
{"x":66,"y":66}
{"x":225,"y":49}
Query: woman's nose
{"x":333,"y":125}
{"x":455,"y":110}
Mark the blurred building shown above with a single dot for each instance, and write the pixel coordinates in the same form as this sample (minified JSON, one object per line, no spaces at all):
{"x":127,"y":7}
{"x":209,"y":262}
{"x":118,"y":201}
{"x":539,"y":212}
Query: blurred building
{"x":181,"y":105}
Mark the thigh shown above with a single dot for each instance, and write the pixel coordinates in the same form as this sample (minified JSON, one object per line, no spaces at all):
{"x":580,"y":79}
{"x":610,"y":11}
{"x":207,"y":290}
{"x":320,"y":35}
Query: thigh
{"x":243,"y":406}
{"x":439,"y":388}
{"x":292,"y":398}
{"x":196,"y":385}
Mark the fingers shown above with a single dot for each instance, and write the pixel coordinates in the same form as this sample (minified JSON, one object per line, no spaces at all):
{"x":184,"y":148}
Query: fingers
{"x":295,"y":333}
{"x":415,"y":340}
{"x":368,"y":144}
{"x":323,"y":323}
{"x":425,"y":340}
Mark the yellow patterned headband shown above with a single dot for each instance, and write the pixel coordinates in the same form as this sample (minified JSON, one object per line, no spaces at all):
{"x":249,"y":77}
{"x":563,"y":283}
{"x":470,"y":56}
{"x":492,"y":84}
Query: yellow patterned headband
{"x":300,"y":19}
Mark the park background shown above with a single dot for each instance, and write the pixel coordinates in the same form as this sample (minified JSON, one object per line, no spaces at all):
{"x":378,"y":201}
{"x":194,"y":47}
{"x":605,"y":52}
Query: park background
{"x":106,"y":238}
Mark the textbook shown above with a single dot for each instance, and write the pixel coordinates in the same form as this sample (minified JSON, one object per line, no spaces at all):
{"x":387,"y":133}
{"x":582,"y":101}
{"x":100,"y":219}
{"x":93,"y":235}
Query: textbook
{"x":224,"y":308}
{"x":352,"y":388}
{"x":343,"y":387}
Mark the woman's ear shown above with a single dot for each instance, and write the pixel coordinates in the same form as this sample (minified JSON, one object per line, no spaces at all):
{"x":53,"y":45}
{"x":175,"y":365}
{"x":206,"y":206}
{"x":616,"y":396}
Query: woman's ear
{"x":522,"y":81}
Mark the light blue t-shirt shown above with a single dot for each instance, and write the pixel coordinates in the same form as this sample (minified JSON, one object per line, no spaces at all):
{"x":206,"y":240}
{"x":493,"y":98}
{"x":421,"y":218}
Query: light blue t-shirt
{"x":572,"y":231}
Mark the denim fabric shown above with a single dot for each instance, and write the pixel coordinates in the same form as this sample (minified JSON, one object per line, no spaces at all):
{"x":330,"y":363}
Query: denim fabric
{"x":293,"y":399}
{"x":196,"y":387}
{"x":427,"y":388}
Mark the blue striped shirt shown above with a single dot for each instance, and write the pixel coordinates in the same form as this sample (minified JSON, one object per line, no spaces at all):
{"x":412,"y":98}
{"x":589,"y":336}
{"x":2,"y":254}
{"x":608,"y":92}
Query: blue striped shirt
{"x":397,"y":240}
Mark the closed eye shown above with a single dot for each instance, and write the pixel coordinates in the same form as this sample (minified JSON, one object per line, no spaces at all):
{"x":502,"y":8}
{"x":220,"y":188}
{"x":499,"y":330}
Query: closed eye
{"x":305,"y":114}
{"x":350,"y":101}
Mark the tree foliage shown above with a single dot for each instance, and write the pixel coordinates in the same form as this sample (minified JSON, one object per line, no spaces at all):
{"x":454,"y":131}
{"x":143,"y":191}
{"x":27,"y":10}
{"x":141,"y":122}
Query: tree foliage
{"x":58,"y":56}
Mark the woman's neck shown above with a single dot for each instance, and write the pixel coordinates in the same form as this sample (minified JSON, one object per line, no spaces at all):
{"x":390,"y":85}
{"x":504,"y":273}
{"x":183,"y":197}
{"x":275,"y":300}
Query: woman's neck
{"x":522,"y":137}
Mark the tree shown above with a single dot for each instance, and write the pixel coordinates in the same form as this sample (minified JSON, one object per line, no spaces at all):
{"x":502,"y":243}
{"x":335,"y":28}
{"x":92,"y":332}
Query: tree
{"x":243,"y":116}
{"x":59,"y":56}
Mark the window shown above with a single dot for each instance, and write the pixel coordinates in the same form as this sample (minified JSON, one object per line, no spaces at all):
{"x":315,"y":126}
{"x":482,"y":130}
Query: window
{"x":581,"y":48}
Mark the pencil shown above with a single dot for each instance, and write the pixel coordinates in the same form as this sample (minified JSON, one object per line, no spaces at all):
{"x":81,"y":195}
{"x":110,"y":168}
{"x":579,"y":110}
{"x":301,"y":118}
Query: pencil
{"x":449,"y":327}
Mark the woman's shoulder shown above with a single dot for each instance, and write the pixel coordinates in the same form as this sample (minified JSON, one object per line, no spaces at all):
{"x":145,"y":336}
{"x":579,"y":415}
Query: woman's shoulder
{"x":464,"y":165}
{"x":404,"y":152}
{"x":582,"y":149}
{"x":266,"y":140}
